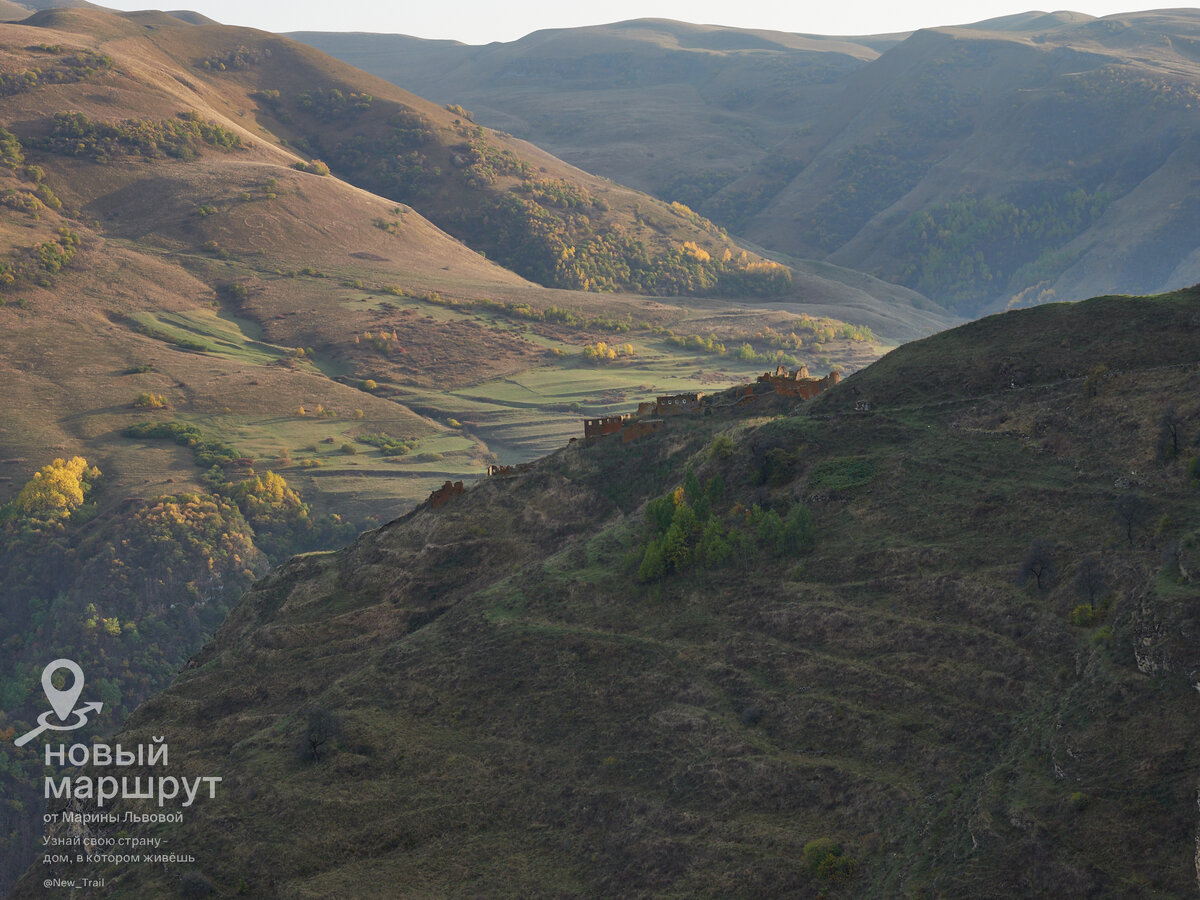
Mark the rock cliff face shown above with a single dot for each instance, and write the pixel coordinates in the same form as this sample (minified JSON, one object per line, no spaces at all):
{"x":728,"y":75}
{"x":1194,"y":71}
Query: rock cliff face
{"x":784,"y":649}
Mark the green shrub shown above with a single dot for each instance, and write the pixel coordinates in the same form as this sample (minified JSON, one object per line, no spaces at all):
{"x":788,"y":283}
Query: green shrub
{"x":721,"y":448}
{"x":312,"y":167}
{"x":388,"y":445}
{"x":206,"y":451}
{"x":1084,"y":614}
{"x":332,"y":103}
{"x":239,"y":58}
{"x":150,"y":401}
{"x":828,"y":861}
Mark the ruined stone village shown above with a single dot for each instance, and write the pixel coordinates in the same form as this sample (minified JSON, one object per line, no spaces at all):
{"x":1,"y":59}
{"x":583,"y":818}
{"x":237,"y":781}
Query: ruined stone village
{"x":651,"y":416}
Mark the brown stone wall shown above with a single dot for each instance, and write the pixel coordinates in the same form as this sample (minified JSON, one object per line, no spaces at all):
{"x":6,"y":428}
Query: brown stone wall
{"x":676,"y":404}
{"x":443,"y":494}
{"x":635,"y":430}
{"x":793,"y":384}
{"x":594,"y":428}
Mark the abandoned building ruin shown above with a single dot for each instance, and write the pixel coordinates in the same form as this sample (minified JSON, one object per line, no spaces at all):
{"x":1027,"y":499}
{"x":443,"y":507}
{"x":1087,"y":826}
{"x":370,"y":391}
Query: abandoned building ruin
{"x":678,"y":404}
{"x":646,"y":420}
{"x":798,"y":383}
{"x":443,"y":494}
{"x":629,"y":426}
{"x":650,"y":415}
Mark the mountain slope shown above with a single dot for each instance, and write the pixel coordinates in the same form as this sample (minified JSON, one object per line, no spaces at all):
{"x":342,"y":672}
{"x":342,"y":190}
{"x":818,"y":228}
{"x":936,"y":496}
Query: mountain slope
{"x":249,"y":358}
{"x":650,"y":99}
{"x":145,"y":105}
{"x":933,"y":646}
{"x":1011,"y":161}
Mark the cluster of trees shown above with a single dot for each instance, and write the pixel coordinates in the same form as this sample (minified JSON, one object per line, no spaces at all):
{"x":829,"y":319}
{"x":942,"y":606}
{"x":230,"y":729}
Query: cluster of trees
{"x":281,"y":522}
{"x":482,"y":163}
{"x":207,"y":452}
{"x":74,"y":134}
{"x":686,"y":212}
{"x":969,"y":249}
{"x":11,"y":152}
{"x":55,"y":491}
{"x":553,"y":315}
{"x":544,"y":229}
{"x":747,"y":353}
{"x":129,"y":593}
{"x":52,"y":255}
{"x":1120,"y":87}
{"x":81,"y":66}
{"x":312,"y":167}
{"x":332,"y":103}
{"x":685,"y":531}
{"x":33,"y":201}
{"x":568,"y":249}
{"x":817,"y":331}
{"x":393,"y":163}
{"x":40,"y":262}
{"x":695,"y":342}
{"x":561,"y":194}
{"x":388,"y":445}
{"x":241,"y":57}
{"x":149,"y":400}
{"x":870,"y":177}
{"x":731,"y":200}
{"x":385,"y":342}
{"x":602,"y":352}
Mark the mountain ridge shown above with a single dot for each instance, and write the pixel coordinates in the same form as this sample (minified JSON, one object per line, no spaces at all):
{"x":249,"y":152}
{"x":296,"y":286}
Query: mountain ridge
{"x":997,"y":163}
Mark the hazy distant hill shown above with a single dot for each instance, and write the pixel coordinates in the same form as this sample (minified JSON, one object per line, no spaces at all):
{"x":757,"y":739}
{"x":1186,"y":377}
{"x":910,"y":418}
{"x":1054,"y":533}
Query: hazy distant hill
{"x":941,"y":645}
{"x":663,"y":106}
{"x":1033,"y":157}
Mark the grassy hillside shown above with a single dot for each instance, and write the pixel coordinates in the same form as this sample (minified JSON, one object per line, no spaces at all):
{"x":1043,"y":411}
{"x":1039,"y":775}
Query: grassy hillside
{"x":1009,"y":162}
{"x":935,"y":645}
{"x":242,"y":264}
{"x":701,"y":104}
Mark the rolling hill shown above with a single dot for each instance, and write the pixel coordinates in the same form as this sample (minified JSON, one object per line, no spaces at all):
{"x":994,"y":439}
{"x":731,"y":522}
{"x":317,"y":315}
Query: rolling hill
{"x":250,"y":258}
{"x":1002,"y":163}
{"x":925,"y":635}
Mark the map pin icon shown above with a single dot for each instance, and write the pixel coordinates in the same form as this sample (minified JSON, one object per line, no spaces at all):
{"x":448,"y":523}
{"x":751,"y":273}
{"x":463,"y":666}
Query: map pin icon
{"x":62,"y":702}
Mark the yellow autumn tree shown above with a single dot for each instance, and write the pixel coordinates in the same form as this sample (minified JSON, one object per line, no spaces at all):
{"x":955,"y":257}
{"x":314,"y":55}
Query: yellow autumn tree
{"x":56,"y":490}
{"x":269,"y":488}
